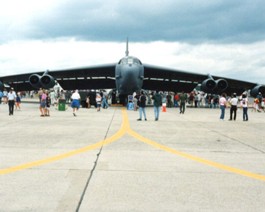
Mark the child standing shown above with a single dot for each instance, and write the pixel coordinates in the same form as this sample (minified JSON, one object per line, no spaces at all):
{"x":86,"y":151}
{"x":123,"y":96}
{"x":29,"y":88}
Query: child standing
{"x":18,"y":101}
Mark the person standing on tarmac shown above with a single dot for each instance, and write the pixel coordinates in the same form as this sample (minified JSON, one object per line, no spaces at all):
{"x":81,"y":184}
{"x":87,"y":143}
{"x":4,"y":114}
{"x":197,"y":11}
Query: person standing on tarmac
{"x":40,"y":92}
{"x":42,"y":108}
{"x":11,"y":97}
{"x":244,"y":104}
{"x":233,"y":108}
{"x":75,"y":101}
{"x":142,"y":103}
{"x":105,"y":104}
{"x":18,"y":101}
{"x":98,"y":101}
{"x":183,"y":99}
{"x":48,"y":104}
{"x":157,"y":104}
{"x":222,"y":103}
{"x":1,"y":96}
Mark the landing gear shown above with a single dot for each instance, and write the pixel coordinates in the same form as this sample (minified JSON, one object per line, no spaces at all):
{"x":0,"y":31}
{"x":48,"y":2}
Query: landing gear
{"x":123,"y":100}
{"x":113,"y":98}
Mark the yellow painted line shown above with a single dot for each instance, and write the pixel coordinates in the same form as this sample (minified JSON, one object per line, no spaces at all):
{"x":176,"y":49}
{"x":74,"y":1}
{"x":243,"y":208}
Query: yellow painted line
{"x":125,"y":128}
{"x":197,"y":159}
{"x":191,"y":157}
{"x":109,"y":140}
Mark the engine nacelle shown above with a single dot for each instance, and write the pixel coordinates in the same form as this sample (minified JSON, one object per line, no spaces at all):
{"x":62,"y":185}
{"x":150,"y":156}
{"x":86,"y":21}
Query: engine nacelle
{"x":34,"y":80}
{"x":221,"y":85}
{"x":214,"y":86}
{"x":47,"y":81}
{"x":255,"y":91}
{"x":208,"y":85}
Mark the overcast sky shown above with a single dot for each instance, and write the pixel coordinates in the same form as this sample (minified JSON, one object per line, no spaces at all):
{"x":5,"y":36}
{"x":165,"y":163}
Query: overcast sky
{"x":221,"y":37}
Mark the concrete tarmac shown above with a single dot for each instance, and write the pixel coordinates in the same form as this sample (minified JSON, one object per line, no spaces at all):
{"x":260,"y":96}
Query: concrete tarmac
{"x":108,"y":161}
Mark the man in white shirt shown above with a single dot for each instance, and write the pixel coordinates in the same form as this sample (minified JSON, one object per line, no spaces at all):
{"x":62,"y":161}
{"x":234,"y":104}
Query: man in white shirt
{"x":233,"y":108}
{"x":11,"y":97}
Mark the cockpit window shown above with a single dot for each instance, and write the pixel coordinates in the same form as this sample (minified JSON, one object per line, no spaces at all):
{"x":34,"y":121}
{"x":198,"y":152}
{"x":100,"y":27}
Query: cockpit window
{"x":130,"y":61}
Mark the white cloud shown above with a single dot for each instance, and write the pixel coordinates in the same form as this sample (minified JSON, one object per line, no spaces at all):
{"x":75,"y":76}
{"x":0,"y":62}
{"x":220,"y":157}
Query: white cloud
{"x":239,"y":61}
{"x":14,"y":9}
{"x":219,"y":37}
{"x":31,"y":56}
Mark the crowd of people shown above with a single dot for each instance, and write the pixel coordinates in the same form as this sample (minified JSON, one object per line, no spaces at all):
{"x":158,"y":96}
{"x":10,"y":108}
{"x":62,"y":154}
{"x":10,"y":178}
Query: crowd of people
{"x":198,"y":99}
{"x":180,"y":100}
{"x":47,"y":98}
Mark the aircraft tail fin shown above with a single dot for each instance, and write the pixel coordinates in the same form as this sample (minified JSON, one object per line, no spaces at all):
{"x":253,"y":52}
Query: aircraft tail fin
{"x":127,"y":48}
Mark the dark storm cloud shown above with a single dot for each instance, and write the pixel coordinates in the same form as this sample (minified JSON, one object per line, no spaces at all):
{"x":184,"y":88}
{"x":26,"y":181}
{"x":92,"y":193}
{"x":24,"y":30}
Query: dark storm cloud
{"x":189,"y":21}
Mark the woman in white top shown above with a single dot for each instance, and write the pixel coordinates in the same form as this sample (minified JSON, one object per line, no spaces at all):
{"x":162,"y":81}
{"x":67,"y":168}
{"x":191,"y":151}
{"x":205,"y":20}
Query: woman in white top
{"x":222,"y":103}
{"x":98,"y":101}
{"x":244,"y":104}
{"x":75,"y":102}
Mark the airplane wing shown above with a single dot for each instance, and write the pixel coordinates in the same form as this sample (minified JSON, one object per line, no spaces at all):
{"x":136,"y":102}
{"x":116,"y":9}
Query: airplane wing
{"x":103,"y":77}
{"x":166,"y":79}
{"x":94,"y":77}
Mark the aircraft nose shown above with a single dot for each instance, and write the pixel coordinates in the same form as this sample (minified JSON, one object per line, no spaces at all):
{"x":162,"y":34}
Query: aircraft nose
{"x":131,"y":81}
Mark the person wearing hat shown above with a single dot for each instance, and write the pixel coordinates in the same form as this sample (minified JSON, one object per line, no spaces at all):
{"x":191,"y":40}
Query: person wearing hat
{"x":11,"y":97}
{"x":233,"y":108}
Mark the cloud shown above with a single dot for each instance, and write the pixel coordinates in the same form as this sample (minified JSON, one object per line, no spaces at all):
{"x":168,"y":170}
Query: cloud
{"x":238,"y":61}
{"x":220,"y":37}
{"x":182,"y":21}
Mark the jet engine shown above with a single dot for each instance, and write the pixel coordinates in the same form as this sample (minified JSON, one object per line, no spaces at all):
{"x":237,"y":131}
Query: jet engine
{"x":255,"y":91}
{"x":45,"y":81}
{"x":213,"y":86}
{"x":221,"y":85}
{"x":208,"y":85}
{"x":34,"y":80}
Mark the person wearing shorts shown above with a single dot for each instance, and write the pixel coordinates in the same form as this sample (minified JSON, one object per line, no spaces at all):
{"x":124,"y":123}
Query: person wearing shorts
{"x":75,"y":102}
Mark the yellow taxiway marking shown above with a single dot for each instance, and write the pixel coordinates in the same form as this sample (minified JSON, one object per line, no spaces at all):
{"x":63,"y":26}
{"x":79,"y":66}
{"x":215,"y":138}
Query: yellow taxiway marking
{"x":125,"y":128}
{"x":197,"y":159}
{"x":109,"y":140}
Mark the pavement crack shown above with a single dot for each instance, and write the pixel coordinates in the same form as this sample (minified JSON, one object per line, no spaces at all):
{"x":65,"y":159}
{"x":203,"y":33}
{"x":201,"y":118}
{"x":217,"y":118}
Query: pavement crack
{"x":94,"y":166}
{"x":238,"y":141}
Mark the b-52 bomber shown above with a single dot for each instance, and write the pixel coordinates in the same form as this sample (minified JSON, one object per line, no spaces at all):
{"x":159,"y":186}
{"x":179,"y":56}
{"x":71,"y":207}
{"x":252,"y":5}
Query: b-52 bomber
{"x":127,"y":76}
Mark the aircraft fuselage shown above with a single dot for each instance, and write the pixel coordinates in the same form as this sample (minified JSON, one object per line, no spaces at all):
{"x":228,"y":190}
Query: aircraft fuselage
{"x":129,"y":74}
